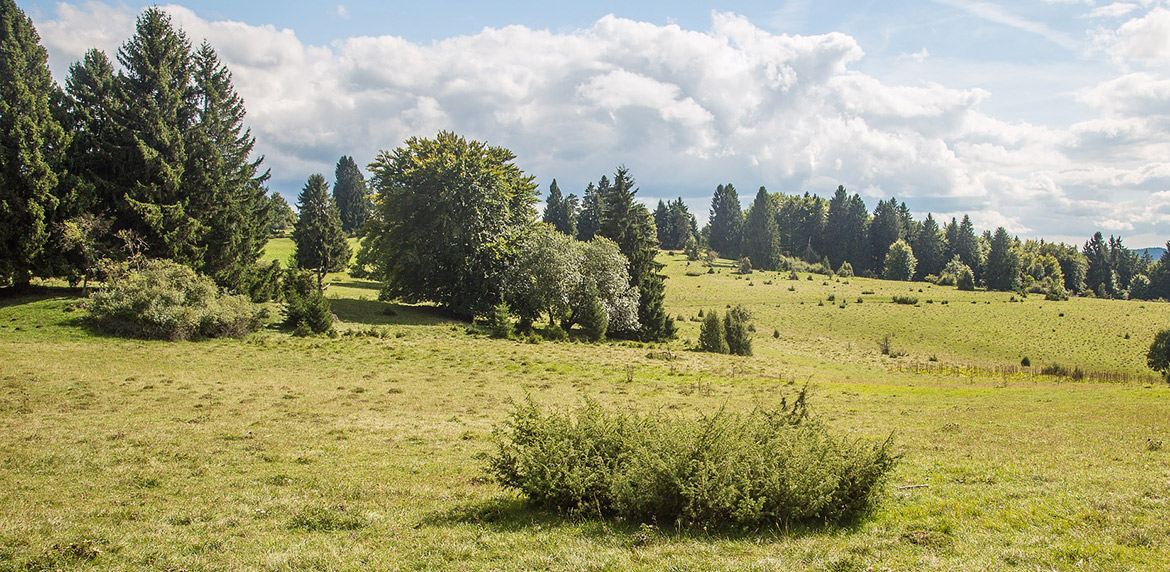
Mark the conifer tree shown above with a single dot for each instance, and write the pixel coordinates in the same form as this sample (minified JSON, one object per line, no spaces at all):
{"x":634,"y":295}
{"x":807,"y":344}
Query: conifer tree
{"x":561,"y":211}
{"x":884,"y":230}
{"x":31,"y":142}
{"x":156,"y":106}
{"x":223,"y":184}
{"x":320,"y":243}
{"x":349,"y":192}
{"x":761,"y":235}
{"x":1003,"y":263}
{"x":929,"y":246}
{"x":711,"y":334}
{"x":631,"y":226}
{"x":726,"y":221}
{"x":589,"y":221}
{"x":735,"y":329}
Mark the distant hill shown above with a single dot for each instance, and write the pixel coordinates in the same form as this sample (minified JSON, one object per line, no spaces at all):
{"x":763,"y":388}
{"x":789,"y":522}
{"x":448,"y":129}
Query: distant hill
{"x":1155,"y":252}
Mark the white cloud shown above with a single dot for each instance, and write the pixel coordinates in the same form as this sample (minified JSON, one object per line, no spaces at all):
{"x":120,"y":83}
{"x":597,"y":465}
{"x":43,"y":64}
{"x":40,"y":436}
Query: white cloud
{"x":686,"y":110}
{"x":342,"y":11}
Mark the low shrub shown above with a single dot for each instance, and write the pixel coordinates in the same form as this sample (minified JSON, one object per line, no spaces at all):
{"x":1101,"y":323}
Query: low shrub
{"x":306,"y":308}
{"x":161,"y":299}
{"x":902,"y":299}
{"x":766,"y":467}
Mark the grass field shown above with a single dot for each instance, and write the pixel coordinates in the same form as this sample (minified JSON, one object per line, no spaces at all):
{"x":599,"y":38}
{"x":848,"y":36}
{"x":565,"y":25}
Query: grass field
{"x":361,"y":452}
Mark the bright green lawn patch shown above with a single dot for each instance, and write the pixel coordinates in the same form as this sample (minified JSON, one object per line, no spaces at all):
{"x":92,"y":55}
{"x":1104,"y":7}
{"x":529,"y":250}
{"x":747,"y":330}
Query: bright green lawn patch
{"x":361,"y":452}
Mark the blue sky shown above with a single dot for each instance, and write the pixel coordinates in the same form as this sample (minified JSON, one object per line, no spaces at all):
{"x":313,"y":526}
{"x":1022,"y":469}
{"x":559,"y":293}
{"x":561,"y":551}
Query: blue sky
{"x":1051,"y":118}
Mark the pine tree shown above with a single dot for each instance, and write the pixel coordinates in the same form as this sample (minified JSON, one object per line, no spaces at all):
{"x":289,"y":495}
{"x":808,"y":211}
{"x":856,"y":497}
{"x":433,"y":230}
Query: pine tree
{"x":223,"y":185}
{"x":662,"y":223}
{"x":726,"y":221}
{"x":320,"y":243}
{"x":761,"y":235}
{"x":735,"y":330}
{"x":349,"y":192}
{"x":31,"y":142}
{"x":884,"y":230}
{"x":560,"y":211}
{"x":90,"y":100}
{"x":966,"y":246}
{"x":1099,"y":276}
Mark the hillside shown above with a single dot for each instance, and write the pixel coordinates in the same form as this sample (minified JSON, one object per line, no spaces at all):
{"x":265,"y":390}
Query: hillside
{"x":361,"y":452}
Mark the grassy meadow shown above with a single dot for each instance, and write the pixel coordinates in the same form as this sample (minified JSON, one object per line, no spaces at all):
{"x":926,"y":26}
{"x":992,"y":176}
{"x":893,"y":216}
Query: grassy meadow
{"x":363,"y":452}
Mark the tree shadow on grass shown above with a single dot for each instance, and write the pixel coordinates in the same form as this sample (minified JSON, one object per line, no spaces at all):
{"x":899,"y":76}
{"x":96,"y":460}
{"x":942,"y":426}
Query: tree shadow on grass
{"x":514,"y":514}
{"x":18,"y":296}
{"x":376,"y":313}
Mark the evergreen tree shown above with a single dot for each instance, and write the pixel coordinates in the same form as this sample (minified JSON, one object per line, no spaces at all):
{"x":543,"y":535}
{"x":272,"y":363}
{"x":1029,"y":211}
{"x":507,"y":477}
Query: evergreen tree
{"x":726,"y":222}
{"x":283,"y":217}
{"x":349,"y":192}
{"x":561,"y":212}
{"x":91,"y":98}
{"x":735,"y":329}
{"x":223,"y":185}
{"x":662,"y":223}
{"x":930,"y":247}
{"x":155,"y":109}
{"x":589,"y":221}
{"x":31,"y":142}
{"x":1099,"y":277}
{"x":847,"y":231}
{"x":1003,"y":263}
{"x":321,"y":246}
{"x":899,"y":262}
{"x":885,"y":229}
{"x":631,"y":226}
{"x":965,"y":245}
{"x":711,"y":334}
{"x":761,"y":235}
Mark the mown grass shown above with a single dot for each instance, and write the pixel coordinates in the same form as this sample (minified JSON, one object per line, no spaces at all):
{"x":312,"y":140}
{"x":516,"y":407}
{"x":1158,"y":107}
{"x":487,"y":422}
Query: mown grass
{"x":361,"y":452}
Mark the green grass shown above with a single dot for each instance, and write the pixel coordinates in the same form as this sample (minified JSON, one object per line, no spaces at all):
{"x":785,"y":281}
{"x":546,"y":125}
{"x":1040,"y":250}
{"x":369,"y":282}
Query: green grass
{"x":361,"y":452}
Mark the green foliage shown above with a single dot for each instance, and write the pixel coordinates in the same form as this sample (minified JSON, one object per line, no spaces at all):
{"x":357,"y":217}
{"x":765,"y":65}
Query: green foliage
{"x":31,"y":142}
{"x":736,"y":329}
{"x":589,"y":219}
{"x":965,"y":279}
{"x":451,"y":215}
{"x":930,"y":248}
{"x":305,"y":307}
{"x":499,"y":322}
{"x":161,"y":299}
{"x":283,"y":218}
{"x":763,"y":468}
{"x":1158,"y":358}
{"x":904,"y":299}
{"x":726,"y":221}
{"x":350,"y":196}
{"x":675,"y":224}
{"x":594,"y":317}
{"x":320,"y":242}
{"x":561,"y":212}
{"x":899,"y":263}
{"x":847,"y":231}
{"x":761,"y":235}
{"x":744,"y":265}
{"x":1003,"y":263}
{"x":712,"y":336}
{"x":263,"y":282}
{"x":845,"y":270}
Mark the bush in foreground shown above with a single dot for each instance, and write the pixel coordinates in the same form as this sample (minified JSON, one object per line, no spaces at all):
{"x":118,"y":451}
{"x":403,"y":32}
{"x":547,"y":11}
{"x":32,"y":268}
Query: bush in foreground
{"x":161,"y":299}
{"x":306,"y":308}
{"x":762,"y":468}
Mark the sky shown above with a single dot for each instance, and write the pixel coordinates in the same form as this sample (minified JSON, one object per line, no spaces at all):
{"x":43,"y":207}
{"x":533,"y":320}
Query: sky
{"x":1050,"y":117}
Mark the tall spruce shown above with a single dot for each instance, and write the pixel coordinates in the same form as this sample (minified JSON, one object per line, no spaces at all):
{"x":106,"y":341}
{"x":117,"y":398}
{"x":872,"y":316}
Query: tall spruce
{"x":561,"y":211}
{"x":631,"y":226}
{"x":761,"y":234}
{"x":31,"y":143}
{"x":1003,"y":263}
{"x":847,"y":229}
{"x":885,"y":229}
{"x":1099,"y":276}
{"x":223,"y":184}
{"x":349,"y":192}
{"x":726,"y":221}
{"x":589,"y":221}
{"x":320,"y":243}
{"x":930,"y":247}
{"x":156,"y":108}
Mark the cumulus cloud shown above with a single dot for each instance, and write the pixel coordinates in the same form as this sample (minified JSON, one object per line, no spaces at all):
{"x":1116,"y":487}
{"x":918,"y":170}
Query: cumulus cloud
{"x":687,"y":109}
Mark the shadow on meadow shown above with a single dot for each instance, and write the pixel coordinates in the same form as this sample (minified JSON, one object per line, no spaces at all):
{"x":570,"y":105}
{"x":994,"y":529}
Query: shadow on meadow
{"x":376,"y":313}
{"x":514,"y":514}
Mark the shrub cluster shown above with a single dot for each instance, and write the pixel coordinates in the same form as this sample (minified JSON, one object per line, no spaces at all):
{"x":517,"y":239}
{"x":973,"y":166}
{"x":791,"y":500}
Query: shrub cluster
{"x":766,"y":467}
{"x":161,"y":299}
{"x":306,"y":308}
{"x":731,"y":335}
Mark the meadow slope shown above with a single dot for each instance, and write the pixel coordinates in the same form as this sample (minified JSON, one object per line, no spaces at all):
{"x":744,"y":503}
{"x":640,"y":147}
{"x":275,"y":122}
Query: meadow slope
{"x":362,"y":452}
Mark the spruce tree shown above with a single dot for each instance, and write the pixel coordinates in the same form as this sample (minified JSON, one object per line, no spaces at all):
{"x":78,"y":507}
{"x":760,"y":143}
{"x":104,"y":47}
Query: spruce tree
{"x":223,"y":184}
{"x":349,"y":192}
{"x":930,"y":247}
{"x":1003,"y":263}
{"x":590,"y":218}
{"x":711,"y":334}
{"x":736,"y":331}
{"x":560,"y":211}
{"x":631,"y":226}
{"x":662,"y":223}
{"x":155,"y":109}
{"x":761,"y":235}
{"x":726,"y":221}
{"x":321,"y":246}
{"x":31,"y":142}
{"x":884,"y":230}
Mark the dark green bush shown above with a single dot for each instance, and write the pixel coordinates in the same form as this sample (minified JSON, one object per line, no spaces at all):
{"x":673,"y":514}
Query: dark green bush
{"x":306,"y":307}
{"x":160,"y":299}
{"x":737,"y":331}
{"x":903,"y":299}
{"x":712,"y":337}
{"x":766,"y":467}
